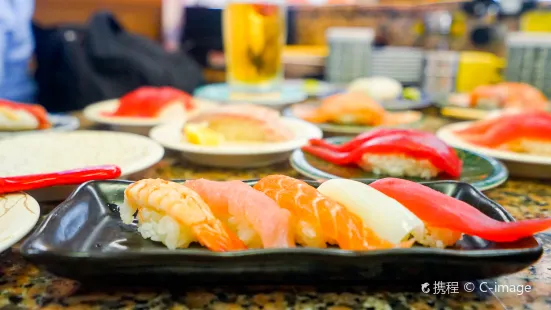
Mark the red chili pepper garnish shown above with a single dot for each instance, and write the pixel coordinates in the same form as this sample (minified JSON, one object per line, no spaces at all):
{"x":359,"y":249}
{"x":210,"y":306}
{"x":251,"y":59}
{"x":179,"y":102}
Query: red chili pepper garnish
{"x":442,"y":211}
{"x":417,"y":145}
{"x":69,"y":177}
{"x":36,"y":110}
{"x":148,"y":101}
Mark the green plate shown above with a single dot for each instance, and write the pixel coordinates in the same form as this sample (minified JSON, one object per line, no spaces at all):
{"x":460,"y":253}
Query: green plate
{"x":478,"y":170}
{"x":353,"y":129}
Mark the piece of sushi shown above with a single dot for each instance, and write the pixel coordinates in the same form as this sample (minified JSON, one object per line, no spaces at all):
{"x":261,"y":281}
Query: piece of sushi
{"x":441,"y":211}
{"x":253,"y":216}
{"x":21,"y":116}
{"x":508,"y":95}
{"x":175,"y":215}
{"x":154,"y":102}
{"x":524,"y":132}
{"x":377,"y":87}
{"x":319,"y":219}
{"x":384,"y":215}
{"x":393,"y":152}
{"x":245,"y":123}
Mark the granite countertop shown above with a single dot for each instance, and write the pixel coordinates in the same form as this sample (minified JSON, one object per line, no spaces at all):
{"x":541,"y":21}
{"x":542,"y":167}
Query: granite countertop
{"x":24,"y":286}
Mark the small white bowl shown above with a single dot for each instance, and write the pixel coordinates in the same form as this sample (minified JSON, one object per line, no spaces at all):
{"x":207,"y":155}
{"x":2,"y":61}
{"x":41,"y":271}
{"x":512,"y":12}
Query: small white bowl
{"x":518,"y":164}
{"x":19,"y":213}
{"x":236,"y":155}
{"x":138,"y":125}
{"x":36,"y":153}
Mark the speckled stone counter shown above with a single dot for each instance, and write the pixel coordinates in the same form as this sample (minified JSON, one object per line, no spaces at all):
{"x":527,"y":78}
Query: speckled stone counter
{"x":24,"y":286}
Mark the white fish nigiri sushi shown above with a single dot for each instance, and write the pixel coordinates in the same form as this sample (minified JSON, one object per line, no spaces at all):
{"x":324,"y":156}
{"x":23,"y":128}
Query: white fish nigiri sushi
{"x":384,"y":215}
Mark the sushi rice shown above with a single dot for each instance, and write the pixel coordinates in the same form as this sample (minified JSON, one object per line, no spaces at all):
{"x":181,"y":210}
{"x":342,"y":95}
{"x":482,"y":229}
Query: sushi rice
{"x":398,"y":166}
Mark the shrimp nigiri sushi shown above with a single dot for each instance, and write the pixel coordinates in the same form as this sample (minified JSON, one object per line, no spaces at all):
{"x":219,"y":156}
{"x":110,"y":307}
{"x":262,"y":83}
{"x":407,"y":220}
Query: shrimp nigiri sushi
{"x":319,"y":220}
{"x":526,"y":132}
{"x":393,"y":152}
{"x":257,"y":219}
{"x":176,"y":216}
{"x":508,"y":95}
{"x":20,"y":116}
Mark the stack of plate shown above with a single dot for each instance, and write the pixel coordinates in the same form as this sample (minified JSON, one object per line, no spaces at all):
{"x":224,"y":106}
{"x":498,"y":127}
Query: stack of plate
{"x":404,"y":64}
{"x":529,"y":59}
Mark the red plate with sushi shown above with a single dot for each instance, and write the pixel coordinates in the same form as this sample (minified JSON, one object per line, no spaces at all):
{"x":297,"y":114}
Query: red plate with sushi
{"x":281,"y":230}
{"x":393,"y":152}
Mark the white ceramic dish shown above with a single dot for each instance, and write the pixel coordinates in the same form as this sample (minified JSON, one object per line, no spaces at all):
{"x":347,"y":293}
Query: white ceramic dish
{"x":19,"y":213}
{"x":138,"y":125}
{"x":518,"y":164}
{"x":59,"y":123}
{"x":58,"y":151}
{"x":236,"y":156}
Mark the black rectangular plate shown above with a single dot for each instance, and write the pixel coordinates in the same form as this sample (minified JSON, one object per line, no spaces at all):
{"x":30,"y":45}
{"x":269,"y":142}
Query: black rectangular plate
{"x":84,"y":239}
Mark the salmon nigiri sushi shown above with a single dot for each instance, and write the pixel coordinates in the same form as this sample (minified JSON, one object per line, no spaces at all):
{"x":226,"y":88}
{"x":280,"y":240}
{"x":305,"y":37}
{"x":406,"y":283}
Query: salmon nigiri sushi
{"x":176,"y":216}
{"x":525,"y":132}
{"x":257,"y":219}
{"x":319,"y":219}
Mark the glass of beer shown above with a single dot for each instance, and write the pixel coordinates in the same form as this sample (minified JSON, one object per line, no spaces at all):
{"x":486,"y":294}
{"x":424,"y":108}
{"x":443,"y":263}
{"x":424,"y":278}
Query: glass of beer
{"x":254,"y":37}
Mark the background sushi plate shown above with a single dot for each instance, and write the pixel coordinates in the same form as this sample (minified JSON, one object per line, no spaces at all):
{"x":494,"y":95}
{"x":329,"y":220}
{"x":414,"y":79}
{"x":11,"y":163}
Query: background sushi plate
{"x":19,"y":213}
{"x":478,"y":170}
{"x":85,"y":239}
{"x":338,"y":129}
{"x":59,"y":123}
{"x":236,"y":156}
{"x":518,"y":164}
{"x":59,"y":151}
{"x":138,"y":125}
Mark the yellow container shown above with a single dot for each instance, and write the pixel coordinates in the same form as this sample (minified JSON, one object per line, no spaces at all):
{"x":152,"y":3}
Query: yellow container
{"x":536,"y":21}
{"x":478,"y":68}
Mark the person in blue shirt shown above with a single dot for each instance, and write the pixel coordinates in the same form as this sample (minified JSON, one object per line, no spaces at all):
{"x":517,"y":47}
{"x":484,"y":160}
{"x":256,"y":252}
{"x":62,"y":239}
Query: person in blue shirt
{"x":16,"y":50}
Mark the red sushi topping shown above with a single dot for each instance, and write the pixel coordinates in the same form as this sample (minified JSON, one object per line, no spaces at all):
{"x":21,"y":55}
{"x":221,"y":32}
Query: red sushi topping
{"x":411,"y":143}
{"x":442,"y":211}
{"x":149,"y":101}
{"x":36,"y":110}
{"x":509,"y":127}
{"x":265,"y":9}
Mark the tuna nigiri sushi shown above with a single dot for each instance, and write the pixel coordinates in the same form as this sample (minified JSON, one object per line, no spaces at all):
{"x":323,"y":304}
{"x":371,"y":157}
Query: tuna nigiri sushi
{"x":319,"y":220}
{"x":384,"y":215}
{"x":257,"y":219}
{"x":245,"y":123}
{"x":444,"y":212}
{"x":393,"y":152}
{"x":527,"y":132}
{"x":176,"y":216}
{"x":20,"y":116}
{"x":153,"y":102}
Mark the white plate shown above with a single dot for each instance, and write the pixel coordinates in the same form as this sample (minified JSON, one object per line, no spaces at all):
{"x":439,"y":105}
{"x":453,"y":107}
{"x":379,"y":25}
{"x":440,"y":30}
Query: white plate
{"x":19,"y":213}
{"x":518,"y":164}
{"x":59,"y":123}
{"x":236,"y":156}
{"x":139,"y":125}
{"x":56,"y":151}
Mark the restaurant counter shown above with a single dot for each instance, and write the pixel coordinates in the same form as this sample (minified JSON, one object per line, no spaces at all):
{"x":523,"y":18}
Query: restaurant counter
{"x":24,"y":286}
